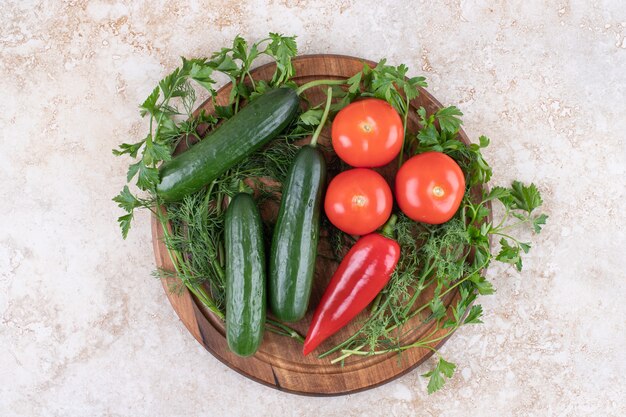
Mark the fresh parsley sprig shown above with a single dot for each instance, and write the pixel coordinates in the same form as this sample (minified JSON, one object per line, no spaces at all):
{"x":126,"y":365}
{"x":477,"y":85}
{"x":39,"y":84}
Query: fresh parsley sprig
{"x":390,"y":83}
{"x":172,"y":98}
{"x":192,"y":228}
{"x":237,"y":61}
{"x":437,"y":374}
{"x":170,"y":109}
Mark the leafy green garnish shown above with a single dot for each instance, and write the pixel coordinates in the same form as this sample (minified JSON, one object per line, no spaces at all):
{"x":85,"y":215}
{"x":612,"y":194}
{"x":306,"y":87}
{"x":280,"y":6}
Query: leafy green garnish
{"x":170,"y":108}
{"x":437,"y":374}
{"x":391,"y":84}
{"x":438,"y":256}
{"x":449,"y":120}
{"x":523,"y":197}
{"x":438,"y":260}
{"x":282,"y":49}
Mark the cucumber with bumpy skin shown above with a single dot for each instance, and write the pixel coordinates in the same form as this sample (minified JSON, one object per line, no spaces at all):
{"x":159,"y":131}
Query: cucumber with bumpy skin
{"x":240,"y":136}
{"x":245,"y":276}
{"x":296,"y":233}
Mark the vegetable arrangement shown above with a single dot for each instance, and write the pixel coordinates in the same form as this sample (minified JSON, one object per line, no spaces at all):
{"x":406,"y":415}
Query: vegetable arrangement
{"x":244,"y":154}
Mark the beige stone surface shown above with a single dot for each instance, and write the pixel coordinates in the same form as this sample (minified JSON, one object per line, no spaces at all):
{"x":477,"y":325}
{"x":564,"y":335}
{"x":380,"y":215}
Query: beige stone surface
{"x":86,"y":331}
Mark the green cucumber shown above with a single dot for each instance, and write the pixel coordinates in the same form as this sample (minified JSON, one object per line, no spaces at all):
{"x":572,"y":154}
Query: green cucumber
{"x":241,"y":135}
{"x":245,"y":275}
{"x":296,"y":233}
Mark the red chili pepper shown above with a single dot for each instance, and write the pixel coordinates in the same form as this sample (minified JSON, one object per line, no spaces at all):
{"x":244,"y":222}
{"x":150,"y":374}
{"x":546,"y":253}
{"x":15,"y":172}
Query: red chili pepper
{"x":361,"y":275}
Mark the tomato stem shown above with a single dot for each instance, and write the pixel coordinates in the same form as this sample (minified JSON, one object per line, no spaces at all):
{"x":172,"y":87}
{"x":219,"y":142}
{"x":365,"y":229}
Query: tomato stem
{"x":329,"y":97}
{"x":389,"y":227}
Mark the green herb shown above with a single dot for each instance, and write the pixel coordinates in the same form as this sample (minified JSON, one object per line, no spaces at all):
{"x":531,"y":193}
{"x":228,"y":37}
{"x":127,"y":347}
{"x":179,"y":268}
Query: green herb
{"x":384,"y":81}
{"x":193,"y":228}
{"x":236,"y":62}
{"x":197,"y":221}
{"x":170,"y":109}
{"x":436,"y":375}
{"x":436,"y":263}
{"x":391,"y":84}
{"x":437,"y":258}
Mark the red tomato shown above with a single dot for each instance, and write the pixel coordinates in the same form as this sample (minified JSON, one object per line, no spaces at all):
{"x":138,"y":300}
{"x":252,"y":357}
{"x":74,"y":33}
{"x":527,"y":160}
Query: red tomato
{"x":358,"y":201}
{"x":430,"y":187}
{"x":367,"y":133}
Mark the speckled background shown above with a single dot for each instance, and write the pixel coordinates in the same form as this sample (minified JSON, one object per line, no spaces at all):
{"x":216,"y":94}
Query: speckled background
{"x":86,"y":331}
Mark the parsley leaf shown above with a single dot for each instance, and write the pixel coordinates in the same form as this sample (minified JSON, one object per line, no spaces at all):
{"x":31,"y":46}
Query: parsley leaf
{"x":473,"y":317}
{"x":126,"y":200}
{"x":539,"y":222}
{"x":149,"y":105}
{"x":124,"y":222}
{"x":498,"y":193}
{"x":441,"y":370}
{"x":354,"y":83}
{"x":429,"y":137}
{"x":524,"y":197}
{"x":509,"y":254}
{"x":132,"y":170}
{"x":437,"y":308}
{"x":311,"y":117}
{"x":390,"y":83}
{"x":481,"y":284}
{"x":158,"y":152}
{"x":449,"y":120}
{"x":148,"y":177}
{"x":171,"y":82}
{"x":128,"y":148}
{"x":282,"y":49}
{"x":201,"y":72}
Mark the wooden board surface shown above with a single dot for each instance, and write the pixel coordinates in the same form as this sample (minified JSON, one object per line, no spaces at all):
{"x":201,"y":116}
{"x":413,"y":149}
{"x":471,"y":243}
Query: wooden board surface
{"x":279,"y":363}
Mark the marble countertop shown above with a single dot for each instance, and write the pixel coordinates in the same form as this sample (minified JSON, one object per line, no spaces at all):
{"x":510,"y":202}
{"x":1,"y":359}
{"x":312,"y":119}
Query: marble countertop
{"x":85,"y":329}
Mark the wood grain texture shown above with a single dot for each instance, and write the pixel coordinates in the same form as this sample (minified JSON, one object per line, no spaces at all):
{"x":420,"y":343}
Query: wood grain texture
{"x":279,"y":363}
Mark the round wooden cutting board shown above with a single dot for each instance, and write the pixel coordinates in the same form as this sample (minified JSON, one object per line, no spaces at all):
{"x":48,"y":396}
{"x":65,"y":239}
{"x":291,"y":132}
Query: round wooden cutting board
{"x":279,"y":362}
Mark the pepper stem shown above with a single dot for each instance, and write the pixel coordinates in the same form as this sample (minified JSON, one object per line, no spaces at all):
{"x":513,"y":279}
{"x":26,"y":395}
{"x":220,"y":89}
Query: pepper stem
{"x":329,"y":98}
{"x":389,"y":227}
